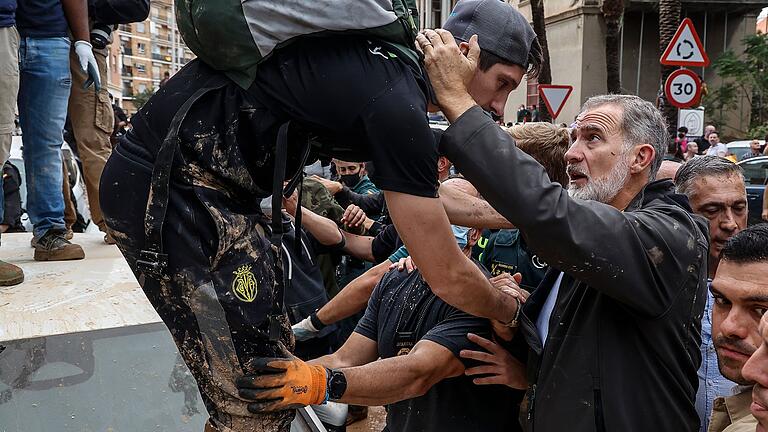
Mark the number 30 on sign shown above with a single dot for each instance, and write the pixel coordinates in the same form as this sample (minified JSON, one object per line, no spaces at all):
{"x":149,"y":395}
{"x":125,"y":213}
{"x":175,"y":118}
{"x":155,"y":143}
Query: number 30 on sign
{"x":683,"y":88}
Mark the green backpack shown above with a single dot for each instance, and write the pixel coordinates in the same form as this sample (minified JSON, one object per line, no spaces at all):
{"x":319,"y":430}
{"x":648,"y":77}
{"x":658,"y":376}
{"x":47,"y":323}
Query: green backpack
{"x":234,"y":36}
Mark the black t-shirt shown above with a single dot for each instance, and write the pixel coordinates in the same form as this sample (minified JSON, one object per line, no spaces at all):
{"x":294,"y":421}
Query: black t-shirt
{"x":360,"y":103}
{"x":385,"y":243}
{"x":41,"y":19}
{"x":402,"y":311}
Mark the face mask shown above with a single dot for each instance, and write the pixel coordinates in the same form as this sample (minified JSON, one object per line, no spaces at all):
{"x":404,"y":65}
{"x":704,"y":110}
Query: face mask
{"x":350,"y":180}
{"x":461,"y":234}
{"x":681,"y":135}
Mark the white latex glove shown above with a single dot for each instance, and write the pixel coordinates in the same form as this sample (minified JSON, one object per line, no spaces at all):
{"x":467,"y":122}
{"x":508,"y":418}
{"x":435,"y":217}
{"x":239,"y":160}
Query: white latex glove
{"x":84,"y":51}
{"x":304,"y":330}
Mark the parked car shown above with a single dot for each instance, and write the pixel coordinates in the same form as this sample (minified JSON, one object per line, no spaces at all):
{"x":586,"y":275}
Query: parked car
{"x":740,"y":148}
{"x":755,"y":175}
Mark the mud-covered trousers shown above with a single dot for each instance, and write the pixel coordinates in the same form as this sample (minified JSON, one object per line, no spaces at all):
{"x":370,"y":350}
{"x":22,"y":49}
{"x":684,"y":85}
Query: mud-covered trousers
{"x":222,"y":275}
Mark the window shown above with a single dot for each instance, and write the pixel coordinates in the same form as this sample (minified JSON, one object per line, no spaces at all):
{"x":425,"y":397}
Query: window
{"x":141,"y":67}
{"x":755,"y":171}
{"x":141,"y":48}
{"x":156,"y":72}
{"x":142,"y":88}
{"x":140,"y":27}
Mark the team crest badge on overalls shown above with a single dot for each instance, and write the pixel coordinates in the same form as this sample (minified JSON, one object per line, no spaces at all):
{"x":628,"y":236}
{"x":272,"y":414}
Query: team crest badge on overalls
{"x":244,"y":285}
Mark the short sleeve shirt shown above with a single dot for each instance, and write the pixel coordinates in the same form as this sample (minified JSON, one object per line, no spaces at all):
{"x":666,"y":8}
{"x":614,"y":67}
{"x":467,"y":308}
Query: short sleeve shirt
{"x":402,"y":311}
{"x":358,"y":104}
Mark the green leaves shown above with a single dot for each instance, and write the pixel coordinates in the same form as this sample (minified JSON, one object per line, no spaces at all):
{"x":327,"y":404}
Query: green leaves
{"x":745,"y":75}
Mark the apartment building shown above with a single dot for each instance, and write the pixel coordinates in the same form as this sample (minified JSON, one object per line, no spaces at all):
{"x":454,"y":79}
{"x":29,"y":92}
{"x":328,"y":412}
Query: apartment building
{"x":142,"y":53}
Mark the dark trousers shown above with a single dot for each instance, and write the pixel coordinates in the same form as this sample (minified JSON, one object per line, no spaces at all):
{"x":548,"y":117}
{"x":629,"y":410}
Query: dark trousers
{"x":219,"y":288}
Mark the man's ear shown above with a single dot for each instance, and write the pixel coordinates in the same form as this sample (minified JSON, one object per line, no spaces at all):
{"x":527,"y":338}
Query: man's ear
{"x":644,"y":156}
{"x":464,"y":48}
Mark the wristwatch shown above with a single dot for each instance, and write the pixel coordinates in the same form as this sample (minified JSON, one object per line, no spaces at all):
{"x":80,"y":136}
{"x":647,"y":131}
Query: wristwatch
{"x":337,"y":384}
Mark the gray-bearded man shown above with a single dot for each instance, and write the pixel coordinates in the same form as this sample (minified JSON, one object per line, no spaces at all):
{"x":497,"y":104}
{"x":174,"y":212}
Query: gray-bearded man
{"x":614,"y":327}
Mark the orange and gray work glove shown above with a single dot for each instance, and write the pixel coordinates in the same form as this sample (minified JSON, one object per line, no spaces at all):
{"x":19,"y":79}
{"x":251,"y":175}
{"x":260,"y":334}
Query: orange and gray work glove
{"x":280,"y":384}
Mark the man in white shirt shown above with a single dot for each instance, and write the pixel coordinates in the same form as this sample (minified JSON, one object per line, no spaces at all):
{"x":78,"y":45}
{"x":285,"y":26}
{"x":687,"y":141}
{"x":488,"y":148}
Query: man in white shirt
{"x":716,"y":148}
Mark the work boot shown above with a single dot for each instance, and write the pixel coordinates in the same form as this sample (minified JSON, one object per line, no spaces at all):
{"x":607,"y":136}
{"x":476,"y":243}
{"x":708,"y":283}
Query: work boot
{"x":69,"y":235}
{"x":108,"y":239}
{"x":10,"y":274}
{"x":53,"y":246}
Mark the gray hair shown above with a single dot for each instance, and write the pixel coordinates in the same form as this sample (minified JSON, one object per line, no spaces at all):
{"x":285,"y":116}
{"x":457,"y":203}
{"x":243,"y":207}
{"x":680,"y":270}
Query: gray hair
{"x":641,"y":122}
{"x":703,"y":166}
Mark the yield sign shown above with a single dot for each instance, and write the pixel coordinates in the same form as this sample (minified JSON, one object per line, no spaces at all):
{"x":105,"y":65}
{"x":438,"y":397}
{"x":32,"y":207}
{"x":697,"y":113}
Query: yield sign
{"x":554,"y":97}
{"x":686,"y":48}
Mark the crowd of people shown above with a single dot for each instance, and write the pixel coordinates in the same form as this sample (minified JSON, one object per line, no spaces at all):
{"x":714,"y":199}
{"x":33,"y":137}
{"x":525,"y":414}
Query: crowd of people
{"x":596,"y":277}
{"x":684,"y":149}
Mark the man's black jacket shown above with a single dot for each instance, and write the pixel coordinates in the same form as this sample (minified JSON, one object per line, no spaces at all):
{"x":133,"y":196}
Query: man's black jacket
{"x":623,"y":345}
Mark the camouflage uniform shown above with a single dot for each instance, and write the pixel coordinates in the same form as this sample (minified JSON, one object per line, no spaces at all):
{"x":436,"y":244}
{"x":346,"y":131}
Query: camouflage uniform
{"x":317,"y":198}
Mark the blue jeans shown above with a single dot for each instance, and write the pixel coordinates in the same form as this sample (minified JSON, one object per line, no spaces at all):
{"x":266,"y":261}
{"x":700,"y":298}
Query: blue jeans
{"x":44,"y":83}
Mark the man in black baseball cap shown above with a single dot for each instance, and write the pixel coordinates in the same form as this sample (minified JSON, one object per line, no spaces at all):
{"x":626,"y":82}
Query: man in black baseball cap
{"x":508,"y":48}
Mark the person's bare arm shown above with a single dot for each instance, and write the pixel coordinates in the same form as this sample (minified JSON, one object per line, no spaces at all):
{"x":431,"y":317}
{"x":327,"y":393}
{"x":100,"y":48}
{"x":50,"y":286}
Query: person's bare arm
{"x":424,"y":228}
{"x":765,"y":203}
{"x":333,"y":186}
{"x":359,"y":246}
{"x":322,"y":229}
{"x":469,"y":211}
{"x":353,"y":297}
{"x":399,"y":378}
{"x":76,"y":12}
{"x":356,"y":351}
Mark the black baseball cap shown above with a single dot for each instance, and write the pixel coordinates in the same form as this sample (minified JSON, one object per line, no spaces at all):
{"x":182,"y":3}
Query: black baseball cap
{"x":500,"y":28}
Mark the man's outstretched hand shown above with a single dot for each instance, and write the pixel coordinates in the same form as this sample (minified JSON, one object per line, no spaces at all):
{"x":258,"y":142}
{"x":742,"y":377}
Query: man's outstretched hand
{"x":450,"y":71}
{"x":497,"y":365}
{"x":283,"y":383}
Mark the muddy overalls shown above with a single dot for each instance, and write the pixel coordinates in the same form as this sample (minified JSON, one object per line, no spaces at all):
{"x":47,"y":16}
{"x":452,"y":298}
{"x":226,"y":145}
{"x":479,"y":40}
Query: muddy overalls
{"x":181,"y":195}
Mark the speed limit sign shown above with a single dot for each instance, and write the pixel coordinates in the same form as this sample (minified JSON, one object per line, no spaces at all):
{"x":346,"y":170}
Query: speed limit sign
{"x":683,"y":88}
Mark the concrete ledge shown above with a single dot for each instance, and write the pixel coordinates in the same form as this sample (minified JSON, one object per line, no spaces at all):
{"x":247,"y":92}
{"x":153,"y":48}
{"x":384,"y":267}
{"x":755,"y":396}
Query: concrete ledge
{"x":59,"y":297}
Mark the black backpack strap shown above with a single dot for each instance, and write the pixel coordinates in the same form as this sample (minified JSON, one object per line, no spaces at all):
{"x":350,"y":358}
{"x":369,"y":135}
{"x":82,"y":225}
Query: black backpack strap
{"x":278,"y":192}
{"x":152,"y":261}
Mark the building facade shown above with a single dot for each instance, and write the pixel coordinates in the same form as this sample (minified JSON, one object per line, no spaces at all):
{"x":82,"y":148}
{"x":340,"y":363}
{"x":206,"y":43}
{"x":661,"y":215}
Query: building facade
{"x":576,"y":38}
{"x":141,"y":55}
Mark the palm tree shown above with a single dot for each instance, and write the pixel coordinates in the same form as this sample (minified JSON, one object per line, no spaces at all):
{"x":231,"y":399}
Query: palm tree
{"x":613,"y":12}
{"x":669,"y":21}
{"x":545,"y":74}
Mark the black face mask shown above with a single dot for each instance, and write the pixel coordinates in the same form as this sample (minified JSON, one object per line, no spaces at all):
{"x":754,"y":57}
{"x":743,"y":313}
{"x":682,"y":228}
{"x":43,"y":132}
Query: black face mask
{"x":350,"y":180}
{"x":681,"y":135}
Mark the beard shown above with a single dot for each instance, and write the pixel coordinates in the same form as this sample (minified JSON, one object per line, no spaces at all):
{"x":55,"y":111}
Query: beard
{"x":603,"y":189}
